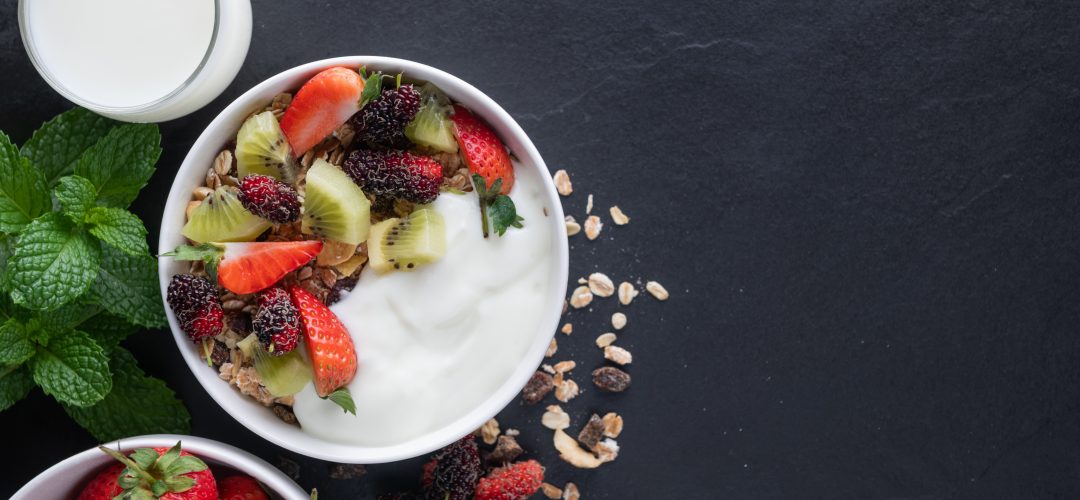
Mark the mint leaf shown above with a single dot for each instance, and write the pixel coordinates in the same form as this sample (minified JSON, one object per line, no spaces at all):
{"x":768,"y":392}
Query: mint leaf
{"x":15,"y":384}
{"x":7,"y":249}
{"x":15,"y":344}
{"x":68,"y":316}
{"x":119,"y":229}
{"x":137,"y":405}
{"x":108,"y":329}
{"x":127,"y":286}
{"x":504,"y":214}
{"x":76,"y":196}
{"x":58,"y":144}
{"x":73,"y":369}
{"x":54,"y":263}
{"x":23,"y":195}
{"x":121,"y":162}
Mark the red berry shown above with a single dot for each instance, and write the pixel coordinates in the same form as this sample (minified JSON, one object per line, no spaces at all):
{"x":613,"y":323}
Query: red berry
{"x":145,"y":473}
{"x":395,"y":174}
{"x":322,"y":105}
{"x":333,"y":355}
{"x":270,"y":199}
{"x":277,"y":322}
{"x":453,"y":472}
{"x":382,"y":121}
{"x":195,"y":302}
{"x":484,"y":153}
{"x":103,"y":486}
{"x":513,"y":482}
{"x":244,"y":268}
{"x":241,"y":488}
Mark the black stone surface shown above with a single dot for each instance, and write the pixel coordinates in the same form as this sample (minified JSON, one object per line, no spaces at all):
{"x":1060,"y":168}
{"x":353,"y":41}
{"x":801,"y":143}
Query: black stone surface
{"x":866,"y":213}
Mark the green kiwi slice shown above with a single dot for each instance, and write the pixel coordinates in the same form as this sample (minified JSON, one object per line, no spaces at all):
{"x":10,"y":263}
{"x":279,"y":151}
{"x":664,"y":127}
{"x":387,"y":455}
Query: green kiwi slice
{"x":431,"y":127}
{"x":335,"y":208}
{"x":221,"y":217}
{"x":261,"y":148}
{"x":405,"y":244}
{"x":283,"y":375}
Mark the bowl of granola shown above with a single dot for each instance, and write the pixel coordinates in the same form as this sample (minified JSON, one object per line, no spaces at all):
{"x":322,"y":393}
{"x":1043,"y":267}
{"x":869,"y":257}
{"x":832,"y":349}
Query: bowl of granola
{"x":364,"y":259}
{"x":212,"y":470}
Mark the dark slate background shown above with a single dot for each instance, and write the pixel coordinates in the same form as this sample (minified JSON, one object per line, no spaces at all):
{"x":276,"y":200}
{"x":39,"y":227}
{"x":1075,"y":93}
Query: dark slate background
{"x":866,"y":212}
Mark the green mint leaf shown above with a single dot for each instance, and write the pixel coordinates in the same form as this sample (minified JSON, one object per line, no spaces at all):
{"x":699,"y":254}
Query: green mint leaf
{"x":76,"y":196}
{"x":121,"y":163}
{"x":15,"y":384}
{"x":73,"y":369}
{"x":108,"y":329}
{"x":138,"y":404}
{"x":127,"y":286}
{"x":372,"y":88}
{"x":504,"y":214}
{"x":23,"y":195}
{"x":15,"y":344}
{"x":54,"y":263}
{"x":58,"y":144}
{"x":68,"y":316}
{"x":119,"y":229}
{"x":7,"y":249}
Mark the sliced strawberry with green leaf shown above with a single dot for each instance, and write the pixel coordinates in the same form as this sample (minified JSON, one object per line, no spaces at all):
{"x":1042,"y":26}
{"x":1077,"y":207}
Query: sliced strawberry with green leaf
{"x":333,"y":355}
{"x":322,"y":105}
{"x":484,"y":153}
{"x":244,"y":268}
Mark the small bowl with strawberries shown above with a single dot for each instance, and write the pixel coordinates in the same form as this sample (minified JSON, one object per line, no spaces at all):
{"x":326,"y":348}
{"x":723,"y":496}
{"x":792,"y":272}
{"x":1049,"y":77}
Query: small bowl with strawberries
{"x":364,"y":259}
{"x":162,"y":466}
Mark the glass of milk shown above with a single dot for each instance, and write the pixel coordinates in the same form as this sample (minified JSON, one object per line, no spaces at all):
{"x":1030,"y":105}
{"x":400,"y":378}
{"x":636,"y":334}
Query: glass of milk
{"x":137,"y":60}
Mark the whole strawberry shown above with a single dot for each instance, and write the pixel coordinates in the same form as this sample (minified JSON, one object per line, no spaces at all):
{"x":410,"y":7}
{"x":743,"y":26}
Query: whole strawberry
{"x":513,"y":482}
{"x":269,"y":198}
{"x":163,"y":473}
{"x":195,"y":302}
{"x":382,"y":121}
{"x":103,"y":486}
{"x":277,"y":322}
{"x":241,"y":488}
{"x":395,"y":174}
{"x":453,"y":472}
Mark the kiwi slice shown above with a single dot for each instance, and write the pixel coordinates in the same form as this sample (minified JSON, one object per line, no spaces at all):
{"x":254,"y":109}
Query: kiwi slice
{"x":431,"y":126}
{"x":261,"y":148}
{"x":283,"y":375}
{"x":221,"y":217}
{"x":334,"y":206}
{"x":405,"y":244}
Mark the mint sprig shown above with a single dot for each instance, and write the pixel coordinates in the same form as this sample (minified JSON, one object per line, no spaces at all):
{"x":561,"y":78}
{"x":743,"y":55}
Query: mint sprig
{"x":77,"y":277}
{"x":498,"y":208}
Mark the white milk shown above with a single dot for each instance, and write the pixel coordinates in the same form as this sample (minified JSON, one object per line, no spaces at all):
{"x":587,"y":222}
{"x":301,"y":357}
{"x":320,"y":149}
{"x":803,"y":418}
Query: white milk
{"x":120,"y":53}
{"x":434,"y":343}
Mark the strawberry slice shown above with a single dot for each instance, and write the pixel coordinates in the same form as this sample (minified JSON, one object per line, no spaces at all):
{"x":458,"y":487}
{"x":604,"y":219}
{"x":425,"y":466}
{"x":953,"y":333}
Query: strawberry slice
{"x":483,"y":151}
{"x":325,"y":102}
{"x":333,"y":355}
{"x":244,"y":268}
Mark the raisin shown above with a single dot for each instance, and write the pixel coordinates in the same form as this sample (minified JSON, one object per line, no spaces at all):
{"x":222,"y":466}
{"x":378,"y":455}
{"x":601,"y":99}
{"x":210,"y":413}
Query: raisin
{"x":540,"y":384}
{"x":219,"y":354}
{"x":611,"y":379}
{"x":592,"y":432}
{"x":285,"y":414}
{"x":342,"y":285}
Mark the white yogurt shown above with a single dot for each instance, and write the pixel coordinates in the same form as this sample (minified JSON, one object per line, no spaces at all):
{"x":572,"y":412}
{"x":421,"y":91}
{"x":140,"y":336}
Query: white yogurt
{"x":434,"y":343}
{"x":137,"y":60}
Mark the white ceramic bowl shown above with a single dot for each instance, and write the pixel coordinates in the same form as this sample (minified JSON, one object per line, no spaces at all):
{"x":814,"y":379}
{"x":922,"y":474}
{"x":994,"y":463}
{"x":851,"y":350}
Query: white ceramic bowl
{"x":67,"y":478}
{"x":259,"y":419}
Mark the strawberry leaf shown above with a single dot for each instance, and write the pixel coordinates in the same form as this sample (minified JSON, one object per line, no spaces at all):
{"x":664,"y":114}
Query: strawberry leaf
{"x":57,"y":145}
{"x":504,"y":214}
{"x":73,"y":369}
{"x":372,"y":88}
{"x":343,"y":398}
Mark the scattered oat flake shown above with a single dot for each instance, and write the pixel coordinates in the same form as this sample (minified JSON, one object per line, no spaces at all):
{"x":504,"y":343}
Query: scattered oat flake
{"x":593,"y":227}
{"x":601,"y":285}
{"x":489,"y":432}
{"x":572,"y":227}
{"x":618,"y":216}
{"x":555,"y":418}
{"x":613,"y":424}
{"x":565,"y":366}
{"x":607,"y":450}
{"x":553,"y":347}
{"x":618,"y":355}
{"x":573,"y":453}
{"x":618,"y":321}
{"x":570,"y":492}
{"x":546,"y":367}
{"x":567,"y":329}
{"x":605,"y":339}
{"x":551,"y":491}
{"x":581,"y":297}
{"x":566,"y":391}
{"x":627,"y":292}
{"x":588,"y":206}
{"x":562,"y":183}
{"x":656,"y":289}
{"x":582,"y":281}
{"x":516,"y":433}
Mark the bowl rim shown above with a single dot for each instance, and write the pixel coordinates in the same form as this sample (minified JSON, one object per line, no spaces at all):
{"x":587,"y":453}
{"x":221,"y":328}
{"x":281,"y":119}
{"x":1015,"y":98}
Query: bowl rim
{"x":205,"y":448}
{"x":237,"y":405}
